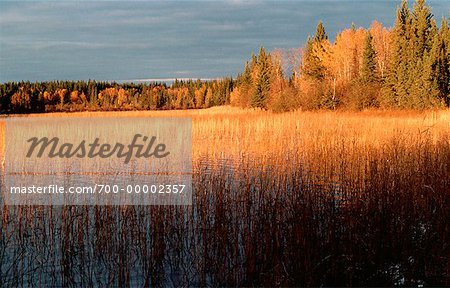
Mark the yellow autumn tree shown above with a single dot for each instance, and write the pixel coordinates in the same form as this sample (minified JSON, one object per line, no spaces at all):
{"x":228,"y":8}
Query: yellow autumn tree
{"x":382,"y":45}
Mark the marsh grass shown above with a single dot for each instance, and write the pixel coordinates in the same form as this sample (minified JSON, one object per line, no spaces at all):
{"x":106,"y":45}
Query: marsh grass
{"x":293,"y":199}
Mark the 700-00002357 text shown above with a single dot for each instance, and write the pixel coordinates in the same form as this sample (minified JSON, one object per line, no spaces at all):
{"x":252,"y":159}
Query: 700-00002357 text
{"x":101,"y":189}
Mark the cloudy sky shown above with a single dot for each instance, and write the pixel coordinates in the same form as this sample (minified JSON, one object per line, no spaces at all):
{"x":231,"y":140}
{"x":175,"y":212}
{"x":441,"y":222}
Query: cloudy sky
{"x":117,"y":40}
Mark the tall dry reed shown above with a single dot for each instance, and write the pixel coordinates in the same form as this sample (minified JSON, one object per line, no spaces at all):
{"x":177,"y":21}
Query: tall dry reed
{"x":294,"y":199}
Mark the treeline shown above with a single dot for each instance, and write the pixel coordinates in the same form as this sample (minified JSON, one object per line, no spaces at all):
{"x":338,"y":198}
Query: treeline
{"x":404,"y":67}
{"x":66,"y":96}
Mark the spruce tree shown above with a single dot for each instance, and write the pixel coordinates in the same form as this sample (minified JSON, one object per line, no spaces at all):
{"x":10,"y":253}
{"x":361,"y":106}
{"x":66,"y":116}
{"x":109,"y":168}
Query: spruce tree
{"x":320,"y":33}
{"x":396,"y":85}
{"x":440,"y":65}
{"x":312,"y":66}
{"x":444,"y":32}
{"x":368,"y":69}
{"x":247,"y":76}
{"x":410,"y":82}
{"x":422,"y":28}
{"x":262,"y":85}
{"x":442,"y":68}
{"x":253,"y":63}
{"x":424,"y":90}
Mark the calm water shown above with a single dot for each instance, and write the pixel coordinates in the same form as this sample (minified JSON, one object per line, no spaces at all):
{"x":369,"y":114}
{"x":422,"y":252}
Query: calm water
{"x":250,"y":224}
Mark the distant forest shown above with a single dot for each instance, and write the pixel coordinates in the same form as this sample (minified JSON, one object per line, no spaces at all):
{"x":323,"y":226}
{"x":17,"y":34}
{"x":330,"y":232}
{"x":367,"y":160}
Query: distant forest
{"x":403,"y":67}
{"x":70,"y":96}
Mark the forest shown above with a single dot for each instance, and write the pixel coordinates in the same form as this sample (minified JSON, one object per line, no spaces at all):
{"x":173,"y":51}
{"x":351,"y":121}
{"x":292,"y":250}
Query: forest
{"x":406,"y":66}
{"x":70,"y":96}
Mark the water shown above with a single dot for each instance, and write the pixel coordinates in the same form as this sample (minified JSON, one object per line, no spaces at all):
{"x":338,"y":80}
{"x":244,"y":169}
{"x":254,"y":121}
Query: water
{"x":252,"y":223}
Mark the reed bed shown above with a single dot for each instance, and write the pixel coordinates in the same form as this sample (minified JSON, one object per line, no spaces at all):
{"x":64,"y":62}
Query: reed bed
{"x":293,"y":199}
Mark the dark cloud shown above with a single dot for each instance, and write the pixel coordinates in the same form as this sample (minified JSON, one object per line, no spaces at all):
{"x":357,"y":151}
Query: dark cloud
{"x":135,"y":40}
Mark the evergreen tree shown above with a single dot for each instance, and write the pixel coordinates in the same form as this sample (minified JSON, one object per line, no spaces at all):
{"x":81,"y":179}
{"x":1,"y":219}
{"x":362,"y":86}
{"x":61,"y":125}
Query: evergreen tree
{"x":253,"y":65}
{"x":444,"y":32}
{"x":396,"y":86}
{"x":320,"y":33}
{"x":369,"y":65}
{"x":422,"y":80}
{"x":440,"y":65}
{"x":423,"y":28}
{"x":410,"y":75}
{"x":262,"y":83}
{"x":247,"y":76}
{"x":444,"y":61}
{"x":312,"y":66}
{"x":424,"y":93}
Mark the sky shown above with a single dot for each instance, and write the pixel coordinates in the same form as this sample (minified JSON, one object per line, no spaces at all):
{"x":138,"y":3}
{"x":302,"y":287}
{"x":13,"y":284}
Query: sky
{"x":118,"y":40}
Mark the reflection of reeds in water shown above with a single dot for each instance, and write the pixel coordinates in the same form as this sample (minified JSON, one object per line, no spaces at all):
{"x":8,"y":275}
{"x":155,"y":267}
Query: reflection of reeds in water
{"x":290,"y":199}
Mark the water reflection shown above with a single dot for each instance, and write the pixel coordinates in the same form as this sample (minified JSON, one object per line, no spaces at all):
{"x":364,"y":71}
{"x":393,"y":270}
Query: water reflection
{"x":251,"y":222}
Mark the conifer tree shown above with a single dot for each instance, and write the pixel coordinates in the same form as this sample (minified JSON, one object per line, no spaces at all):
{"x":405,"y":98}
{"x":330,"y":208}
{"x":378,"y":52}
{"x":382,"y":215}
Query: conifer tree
{"x":424,"y":90}
{"x":247,"y":76}
{"x":369,"y":65}
{"x":262,"y":83}
{"x":440,"y":64}
{"x":444,"y":32}
{"x":444,"y":58}
{"x":320,"y":33}
{"x":424,"y":93}
{"x":254,"y":66}
{"x":312,"y":65}
{"x":396,"y":85}
{"x":422,"y":28}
